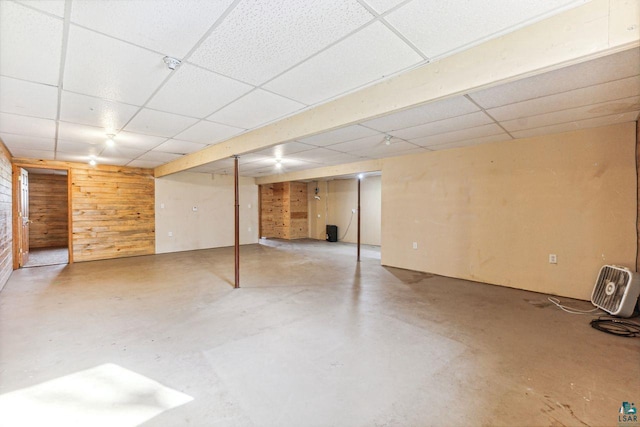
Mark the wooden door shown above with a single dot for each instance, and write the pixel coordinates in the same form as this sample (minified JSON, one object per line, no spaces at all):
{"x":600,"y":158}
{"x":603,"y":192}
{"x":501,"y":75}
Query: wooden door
{"x":23,"y":218}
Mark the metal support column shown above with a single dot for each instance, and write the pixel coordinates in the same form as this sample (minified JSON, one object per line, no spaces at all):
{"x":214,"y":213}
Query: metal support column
{"x":237,"y":221}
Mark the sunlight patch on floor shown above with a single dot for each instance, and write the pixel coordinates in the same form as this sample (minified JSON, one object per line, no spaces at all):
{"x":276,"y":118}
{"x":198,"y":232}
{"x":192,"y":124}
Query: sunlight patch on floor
{"x":107,"y":395}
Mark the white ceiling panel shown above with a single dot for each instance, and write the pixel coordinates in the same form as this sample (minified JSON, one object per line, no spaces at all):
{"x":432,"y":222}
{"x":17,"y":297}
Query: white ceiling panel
{"x":33,"y":154}
{"x":442,"y":126}
{"x":167,"y":26}
{"x":121,"y":152}
{"x":79,"y":148}
{"x":146,"y":164}
{"x":107,"y":68}
{"x":13,"y":141}
{"x":397,"y":152}
{"x":54,"y":7}
{"x":206,"y":132}
{"x":285,"y":149}
{"x":159,"y":123}
{"x":138,"y":140}
{"x":440,"y":27}
{"x":574,"y":98}
{"x":112,"y":160}
{"x":323,"y":155}
{"x":362,"y":145}
{"x":30,"y":126}
{"x":255,"y":109}
{"x":369,"y":55}
{"x":383,"y":150}
{"x":337,"y":136}
{"x":27,"y":98}
{"x":91,"y":111}
{"x":460,"y":135}
{"x":260,"y":39}
{"x":179,"y":147}
{"x":472,"y":141}
{"x":31,"y":44}
{"x":382,"y":6}
{"x":81,"y":133}
{"x":156,"y":156}
{"x":579,"y":124}
{"x":427,"y":113}
{"x":602,"y":70}
{"x":75,"y":157}
{"x":195,"y":92}
{"x":581,"y":113}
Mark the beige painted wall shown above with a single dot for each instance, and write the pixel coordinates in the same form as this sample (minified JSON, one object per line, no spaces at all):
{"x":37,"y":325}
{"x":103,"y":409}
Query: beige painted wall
{"x":337,"y":199}
{"x":212,"y":225}
{"x":493,"y":213}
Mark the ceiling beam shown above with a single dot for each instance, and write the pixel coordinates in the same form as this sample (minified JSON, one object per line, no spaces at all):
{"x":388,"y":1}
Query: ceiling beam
{"x":595,"y":29}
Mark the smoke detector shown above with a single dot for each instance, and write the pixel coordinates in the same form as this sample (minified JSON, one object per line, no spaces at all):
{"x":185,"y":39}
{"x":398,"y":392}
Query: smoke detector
{"x":172,"y":63}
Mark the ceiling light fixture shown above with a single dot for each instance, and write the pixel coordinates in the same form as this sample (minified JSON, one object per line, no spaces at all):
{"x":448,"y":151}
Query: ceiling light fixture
{"x":92,"y":160}
{"x":278,"y":164}
{"x":110,"y":142}
{"x":387,"y":140}
{"x":172,"y":63}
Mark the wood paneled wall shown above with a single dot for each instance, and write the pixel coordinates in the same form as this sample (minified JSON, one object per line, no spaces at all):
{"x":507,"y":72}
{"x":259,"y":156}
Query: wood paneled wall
{"x":6,"y":226}
{"x":112,"y":209}
{"x":48,"y":211}
{"x":284,"y":211}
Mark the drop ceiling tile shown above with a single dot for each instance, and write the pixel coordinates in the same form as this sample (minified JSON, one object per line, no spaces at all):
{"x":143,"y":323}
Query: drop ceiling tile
{"x":573,"y":114}
{"x":146,"y":164}
{"x":472,"y":141}
{"x":367,"y":56}
{"x":33,"y":154}
{"x":427,"y":113}
{"x":206,"y":132}
{"x":110,"y":69}
{"x":579,"y":124}
{"x":79,"y":148}
{"x":91,"y":111}
{"x":460,"y":135}
{"x":156,"y":156}
{"x":179,"y":147}
{"x":259,"y":40}
{"x":395,"y":148}
{"x":81,"y":133}
{"x":78,"y":158}
{"x":285,"y":149}
{"x":255,"y":109}
{"x":324,"y":156}
{"x":159,"y":123}
{"x":361,"y":146}
{"x":438,"y":28}
{"x":337,"y":136}
{"x":27,"y":98}
{"x":54,"y":7}
{"x":14,"y":142}
{"x":104,"y":159}
{"x":30,"y":44}
{"x":196,"y":92}
{"x":168,"y":26}
{"x":441,"y":126}
{"x":381,"y":6}
{"x":119,"y":152}
{"x":602,"y":70}
{"x":397,"y":152}
{"x":574,"y":98}
{"x":30,"y":126}
{"x":138,"y":140}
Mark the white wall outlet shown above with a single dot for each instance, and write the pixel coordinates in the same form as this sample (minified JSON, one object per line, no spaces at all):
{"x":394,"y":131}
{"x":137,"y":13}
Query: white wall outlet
{"x":195,"y":209}
{"x":415,"y":245}
{"x":353,"y":210}
{"x":249,"y":205}
{"x":171,"y":234}
{"x":553,"y":259}
{"x":161,"y":205}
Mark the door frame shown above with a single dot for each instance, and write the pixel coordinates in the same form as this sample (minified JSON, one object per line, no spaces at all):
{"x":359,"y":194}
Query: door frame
{"x":15,"y":220}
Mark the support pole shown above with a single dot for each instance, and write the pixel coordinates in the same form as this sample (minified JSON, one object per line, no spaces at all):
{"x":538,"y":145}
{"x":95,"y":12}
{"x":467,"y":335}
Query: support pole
{"x":359,"y":179}
{"x":237,"y":221}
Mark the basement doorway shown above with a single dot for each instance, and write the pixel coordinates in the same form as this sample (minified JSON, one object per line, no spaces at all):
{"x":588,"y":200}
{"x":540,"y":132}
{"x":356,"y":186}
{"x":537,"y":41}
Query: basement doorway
{"x":42,"y":217}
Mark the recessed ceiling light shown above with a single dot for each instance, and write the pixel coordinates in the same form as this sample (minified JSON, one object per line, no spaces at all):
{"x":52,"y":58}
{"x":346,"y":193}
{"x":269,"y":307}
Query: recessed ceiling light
{"x":172,"y":63}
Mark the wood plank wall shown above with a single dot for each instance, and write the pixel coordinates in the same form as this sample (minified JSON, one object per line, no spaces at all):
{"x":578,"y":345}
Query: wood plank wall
{"x":638,"y":194}
{"x":112,"y":209}
{"x":6,"y":225}
{"x":284,"y":210}
{"x":48,"y":211}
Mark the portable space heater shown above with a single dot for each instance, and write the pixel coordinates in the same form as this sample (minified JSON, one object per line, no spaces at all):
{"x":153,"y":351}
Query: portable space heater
{"x":616,"y":290}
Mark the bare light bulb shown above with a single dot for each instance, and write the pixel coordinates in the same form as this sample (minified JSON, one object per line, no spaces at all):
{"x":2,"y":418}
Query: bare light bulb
{"x":110,"y":142}
{"x":92,"y":162}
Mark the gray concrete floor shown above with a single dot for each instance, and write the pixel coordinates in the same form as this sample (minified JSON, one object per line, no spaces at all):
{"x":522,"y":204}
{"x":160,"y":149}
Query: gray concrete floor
{"x":315,"y":339}
{"x":47,"y":256}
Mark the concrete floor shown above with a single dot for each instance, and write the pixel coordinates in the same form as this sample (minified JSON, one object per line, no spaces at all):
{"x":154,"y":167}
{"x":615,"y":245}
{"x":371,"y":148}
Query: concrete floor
{"x":315,"y":339}
{"x":47,"y":256}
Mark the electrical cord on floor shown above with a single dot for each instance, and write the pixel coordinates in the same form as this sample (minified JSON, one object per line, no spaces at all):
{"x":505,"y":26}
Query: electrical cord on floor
{"x":615,"y":326}
{"x":571,"y":310}
{"x":345,"y":233}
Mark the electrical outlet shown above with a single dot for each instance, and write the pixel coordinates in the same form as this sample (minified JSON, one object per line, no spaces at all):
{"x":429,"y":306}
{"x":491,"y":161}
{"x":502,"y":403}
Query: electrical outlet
{"x":171,"y":234}
{"x":553,"y":259}
{"x":353,"y":211}
{"x":415,"y":245}
{"x":195,"y":209}
{"x":161,"y":205}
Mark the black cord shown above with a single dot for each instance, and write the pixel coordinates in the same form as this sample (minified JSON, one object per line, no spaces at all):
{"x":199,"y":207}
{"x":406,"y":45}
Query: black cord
{"x":615,"y":326}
